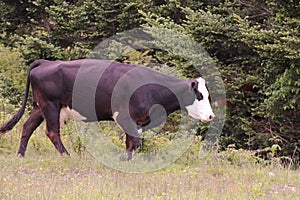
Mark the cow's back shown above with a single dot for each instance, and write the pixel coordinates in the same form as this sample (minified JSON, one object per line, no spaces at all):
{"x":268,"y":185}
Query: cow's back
{"x":96,"y":88}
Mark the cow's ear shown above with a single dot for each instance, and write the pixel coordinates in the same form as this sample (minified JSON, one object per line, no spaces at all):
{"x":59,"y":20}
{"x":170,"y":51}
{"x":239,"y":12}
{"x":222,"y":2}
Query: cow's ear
{"x":194,"y":85}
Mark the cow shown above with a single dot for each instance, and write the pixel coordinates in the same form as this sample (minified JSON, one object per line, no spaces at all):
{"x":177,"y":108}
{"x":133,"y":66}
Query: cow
{"x":137,"y":98}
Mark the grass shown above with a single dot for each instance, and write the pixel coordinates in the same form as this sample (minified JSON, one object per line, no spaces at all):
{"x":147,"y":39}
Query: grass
{"x":43,"y":174}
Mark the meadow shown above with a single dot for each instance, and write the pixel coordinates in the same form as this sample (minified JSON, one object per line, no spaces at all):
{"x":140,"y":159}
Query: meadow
{"x":255,"y":45}
{"x":44,"y":174}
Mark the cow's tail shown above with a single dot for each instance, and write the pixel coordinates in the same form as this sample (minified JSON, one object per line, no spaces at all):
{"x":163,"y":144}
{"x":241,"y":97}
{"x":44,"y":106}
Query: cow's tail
{"x":16,"y":118}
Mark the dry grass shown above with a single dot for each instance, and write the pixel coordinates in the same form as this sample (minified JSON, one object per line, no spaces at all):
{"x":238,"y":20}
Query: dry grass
{"x":43,"y":174}
{"x":49,"y":176}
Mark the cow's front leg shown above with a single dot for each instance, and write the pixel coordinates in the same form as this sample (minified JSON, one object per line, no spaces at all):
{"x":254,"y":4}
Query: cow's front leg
{"x":132,"y":135}
{"x":132,"y":143}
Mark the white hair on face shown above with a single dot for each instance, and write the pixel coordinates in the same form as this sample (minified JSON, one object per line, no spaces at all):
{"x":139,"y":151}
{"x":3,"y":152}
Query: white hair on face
{"x":201,"y":109}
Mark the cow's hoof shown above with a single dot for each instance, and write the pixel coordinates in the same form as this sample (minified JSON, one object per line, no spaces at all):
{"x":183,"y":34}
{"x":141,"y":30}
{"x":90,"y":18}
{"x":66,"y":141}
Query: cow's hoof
{"x":20,"y":155}
{"x":65,"y":153}
{"x":129,"y":156}
{"x":126,"y":157}
{"x":136,"y":143}
{"x":1,"y":133}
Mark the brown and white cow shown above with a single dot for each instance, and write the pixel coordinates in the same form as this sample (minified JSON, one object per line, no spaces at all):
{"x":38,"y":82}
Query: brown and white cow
{"x":96,"y":90}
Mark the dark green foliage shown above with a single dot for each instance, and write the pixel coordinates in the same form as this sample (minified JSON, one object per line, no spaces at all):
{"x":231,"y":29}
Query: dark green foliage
{"x":33,"y":48}
{"x":12,"y":76}
{"x":55,"y":29}
{"x":257,"y":50}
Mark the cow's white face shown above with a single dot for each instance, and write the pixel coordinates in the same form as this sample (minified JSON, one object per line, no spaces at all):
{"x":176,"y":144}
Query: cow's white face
{"x":201,"y":109}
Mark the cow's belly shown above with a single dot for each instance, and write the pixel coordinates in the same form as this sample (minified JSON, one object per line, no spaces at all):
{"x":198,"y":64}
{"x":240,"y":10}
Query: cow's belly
{"x":66,"y":112}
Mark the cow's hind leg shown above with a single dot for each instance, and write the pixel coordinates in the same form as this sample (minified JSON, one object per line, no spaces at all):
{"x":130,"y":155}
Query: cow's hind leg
{"x":34,"y":120}
{"x":51,"y":113}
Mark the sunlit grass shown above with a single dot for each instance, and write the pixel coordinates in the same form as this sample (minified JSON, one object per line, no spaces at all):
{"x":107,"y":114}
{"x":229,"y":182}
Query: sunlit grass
{"x":52,"y":177}
{"x":44,"y":174}
{"x":47,"y":175}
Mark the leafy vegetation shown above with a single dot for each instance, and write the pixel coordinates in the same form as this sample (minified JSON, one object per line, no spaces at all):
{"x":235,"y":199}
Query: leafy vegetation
{"x":255,"y":45}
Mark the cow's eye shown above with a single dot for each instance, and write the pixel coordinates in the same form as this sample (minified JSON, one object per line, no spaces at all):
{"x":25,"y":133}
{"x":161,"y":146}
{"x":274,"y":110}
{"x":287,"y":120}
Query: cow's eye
{"x":199,"y":95}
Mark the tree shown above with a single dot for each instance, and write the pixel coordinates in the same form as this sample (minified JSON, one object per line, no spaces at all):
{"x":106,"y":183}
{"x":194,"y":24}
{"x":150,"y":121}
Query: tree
{"x":256,"y":45}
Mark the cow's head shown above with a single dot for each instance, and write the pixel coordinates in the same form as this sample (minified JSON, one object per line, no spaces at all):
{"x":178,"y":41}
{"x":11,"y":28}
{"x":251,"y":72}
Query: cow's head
{"x":200,"y":108}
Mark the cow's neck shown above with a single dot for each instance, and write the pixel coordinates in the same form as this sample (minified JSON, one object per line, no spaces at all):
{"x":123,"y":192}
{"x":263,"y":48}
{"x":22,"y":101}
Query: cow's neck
{"x":181,"y":89}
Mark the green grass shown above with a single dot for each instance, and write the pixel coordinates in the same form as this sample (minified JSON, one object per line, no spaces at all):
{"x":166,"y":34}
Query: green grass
{"x":52,"y":177}
{"x":43,"y":174}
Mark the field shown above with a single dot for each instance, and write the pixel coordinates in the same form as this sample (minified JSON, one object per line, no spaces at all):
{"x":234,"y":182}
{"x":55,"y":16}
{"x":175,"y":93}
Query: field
{"x":234,"y":174}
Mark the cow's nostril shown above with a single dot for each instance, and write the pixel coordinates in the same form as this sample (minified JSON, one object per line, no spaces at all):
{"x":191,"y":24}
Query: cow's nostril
{"x":211,"y":117}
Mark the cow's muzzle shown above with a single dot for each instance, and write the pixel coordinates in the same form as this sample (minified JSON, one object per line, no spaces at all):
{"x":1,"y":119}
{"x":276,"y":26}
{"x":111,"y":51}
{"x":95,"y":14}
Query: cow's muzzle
{"x":209,"y":118}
